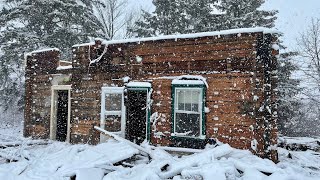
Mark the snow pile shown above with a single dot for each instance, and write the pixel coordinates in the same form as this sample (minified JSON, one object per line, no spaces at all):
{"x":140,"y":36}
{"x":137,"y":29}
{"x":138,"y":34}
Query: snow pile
{"x":221,"y":163}
{"x":117,"y":159}
{"x":59,"y":160}
{"x":10,"y":128}
{"x":191,"y":80}
{"x":299,"y":143}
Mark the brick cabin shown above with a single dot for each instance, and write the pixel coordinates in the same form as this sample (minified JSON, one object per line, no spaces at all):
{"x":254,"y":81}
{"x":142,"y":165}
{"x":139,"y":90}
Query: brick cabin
{"x":179,"y":91}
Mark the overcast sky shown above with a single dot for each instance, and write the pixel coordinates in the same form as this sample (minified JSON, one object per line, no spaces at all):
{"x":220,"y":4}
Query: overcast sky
{"x":294,"y":16}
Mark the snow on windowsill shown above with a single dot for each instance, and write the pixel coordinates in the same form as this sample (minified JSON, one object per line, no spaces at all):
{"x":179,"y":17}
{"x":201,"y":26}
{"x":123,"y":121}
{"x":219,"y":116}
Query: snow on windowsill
{"x":139,"y":84}
{"x":185,"y":135}
{"x":190,"y":80}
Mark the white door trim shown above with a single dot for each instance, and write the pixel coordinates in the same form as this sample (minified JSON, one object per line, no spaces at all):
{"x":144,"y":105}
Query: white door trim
{"x":53,"y":118}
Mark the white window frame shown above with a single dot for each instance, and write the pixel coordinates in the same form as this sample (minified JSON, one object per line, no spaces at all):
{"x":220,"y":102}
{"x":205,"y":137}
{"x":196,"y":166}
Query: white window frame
{"x":104,"y":112}
{"x":176,"y":110}
{"x":53,"y":114}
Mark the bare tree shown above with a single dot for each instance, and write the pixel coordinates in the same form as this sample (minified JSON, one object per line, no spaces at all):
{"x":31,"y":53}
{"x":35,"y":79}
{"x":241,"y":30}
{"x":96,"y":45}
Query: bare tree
{"x":132,"y":17}
{"x":115,"y":17}
{"x":309,"y":47}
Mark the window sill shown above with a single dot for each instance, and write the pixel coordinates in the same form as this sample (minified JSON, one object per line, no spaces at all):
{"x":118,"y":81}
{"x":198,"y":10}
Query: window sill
{"x":203,"y":137}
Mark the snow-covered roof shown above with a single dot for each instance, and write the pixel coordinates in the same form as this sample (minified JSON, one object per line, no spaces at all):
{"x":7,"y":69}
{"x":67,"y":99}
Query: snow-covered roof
{"x":40,"y":51}
{"x":84,"y":44}
{"x":185,"y":36}
{"x":139,"y":84}
{"x":44,"y":50}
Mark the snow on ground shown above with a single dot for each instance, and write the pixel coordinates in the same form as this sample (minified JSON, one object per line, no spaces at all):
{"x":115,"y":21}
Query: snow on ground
{"x":300,"y":142}
{"x":40,"y":159}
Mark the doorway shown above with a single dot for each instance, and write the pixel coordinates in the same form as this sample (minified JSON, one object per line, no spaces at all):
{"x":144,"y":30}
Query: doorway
{"x":137,"y":115}
{"x":60,"y":113}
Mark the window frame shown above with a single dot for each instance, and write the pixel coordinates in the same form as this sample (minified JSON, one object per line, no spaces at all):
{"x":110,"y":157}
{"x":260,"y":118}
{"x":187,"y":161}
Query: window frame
{"x":201,"y":112}
{"x":104,"y":112}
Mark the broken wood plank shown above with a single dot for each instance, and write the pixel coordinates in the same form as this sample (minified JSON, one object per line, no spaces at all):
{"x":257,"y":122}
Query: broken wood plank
{"x":178,"y":149}
{"x":5,"y":145}
{"x":120,"y":139}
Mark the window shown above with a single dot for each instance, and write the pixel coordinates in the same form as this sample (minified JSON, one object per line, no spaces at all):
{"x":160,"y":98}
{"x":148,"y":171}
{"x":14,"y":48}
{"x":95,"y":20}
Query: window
{"x":113,"y":103}
{"x":112,"y":108}
{"x":188,"y":110}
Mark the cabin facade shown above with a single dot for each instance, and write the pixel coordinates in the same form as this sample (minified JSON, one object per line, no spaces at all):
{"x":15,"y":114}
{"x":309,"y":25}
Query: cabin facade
{"x":179,"y":91}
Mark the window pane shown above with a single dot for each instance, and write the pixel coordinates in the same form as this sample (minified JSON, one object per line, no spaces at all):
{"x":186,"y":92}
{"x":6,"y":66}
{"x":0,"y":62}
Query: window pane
{"x":187,"y":107}
{"x":192,"y":96}
{"x":180,"y":96}
{"x":112,"y":123}
{"x":188,"y":100}
{"x":195,"y":107}
{"x":113,"y":118}
{"x":188,"y":124}
{"x":195,"y":96}
{"x":113,"y":102}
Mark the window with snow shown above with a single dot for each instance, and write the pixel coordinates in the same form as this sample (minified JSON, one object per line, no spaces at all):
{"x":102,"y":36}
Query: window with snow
{"x":188,"y":111}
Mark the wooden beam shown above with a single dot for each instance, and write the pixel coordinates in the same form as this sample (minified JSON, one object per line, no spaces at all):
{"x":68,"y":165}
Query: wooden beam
{"x":120,"y":139}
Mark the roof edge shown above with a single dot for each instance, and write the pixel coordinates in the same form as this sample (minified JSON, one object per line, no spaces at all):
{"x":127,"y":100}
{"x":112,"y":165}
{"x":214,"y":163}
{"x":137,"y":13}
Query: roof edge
{"x":186,"y":36}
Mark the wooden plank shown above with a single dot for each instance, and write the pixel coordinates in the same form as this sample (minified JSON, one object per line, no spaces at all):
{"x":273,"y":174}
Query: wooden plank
{"x":42,"y":78}
{"x":92,"y":95}
{"x":162,"y":106}
{"x":195,"y":41}
{"x":229,"y":118}
{"x":199,"y":56}
{"x":84,"y":103}
{"x":171,"y":67}
{"x":229,"y":95}
{"x":228,"y":46}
